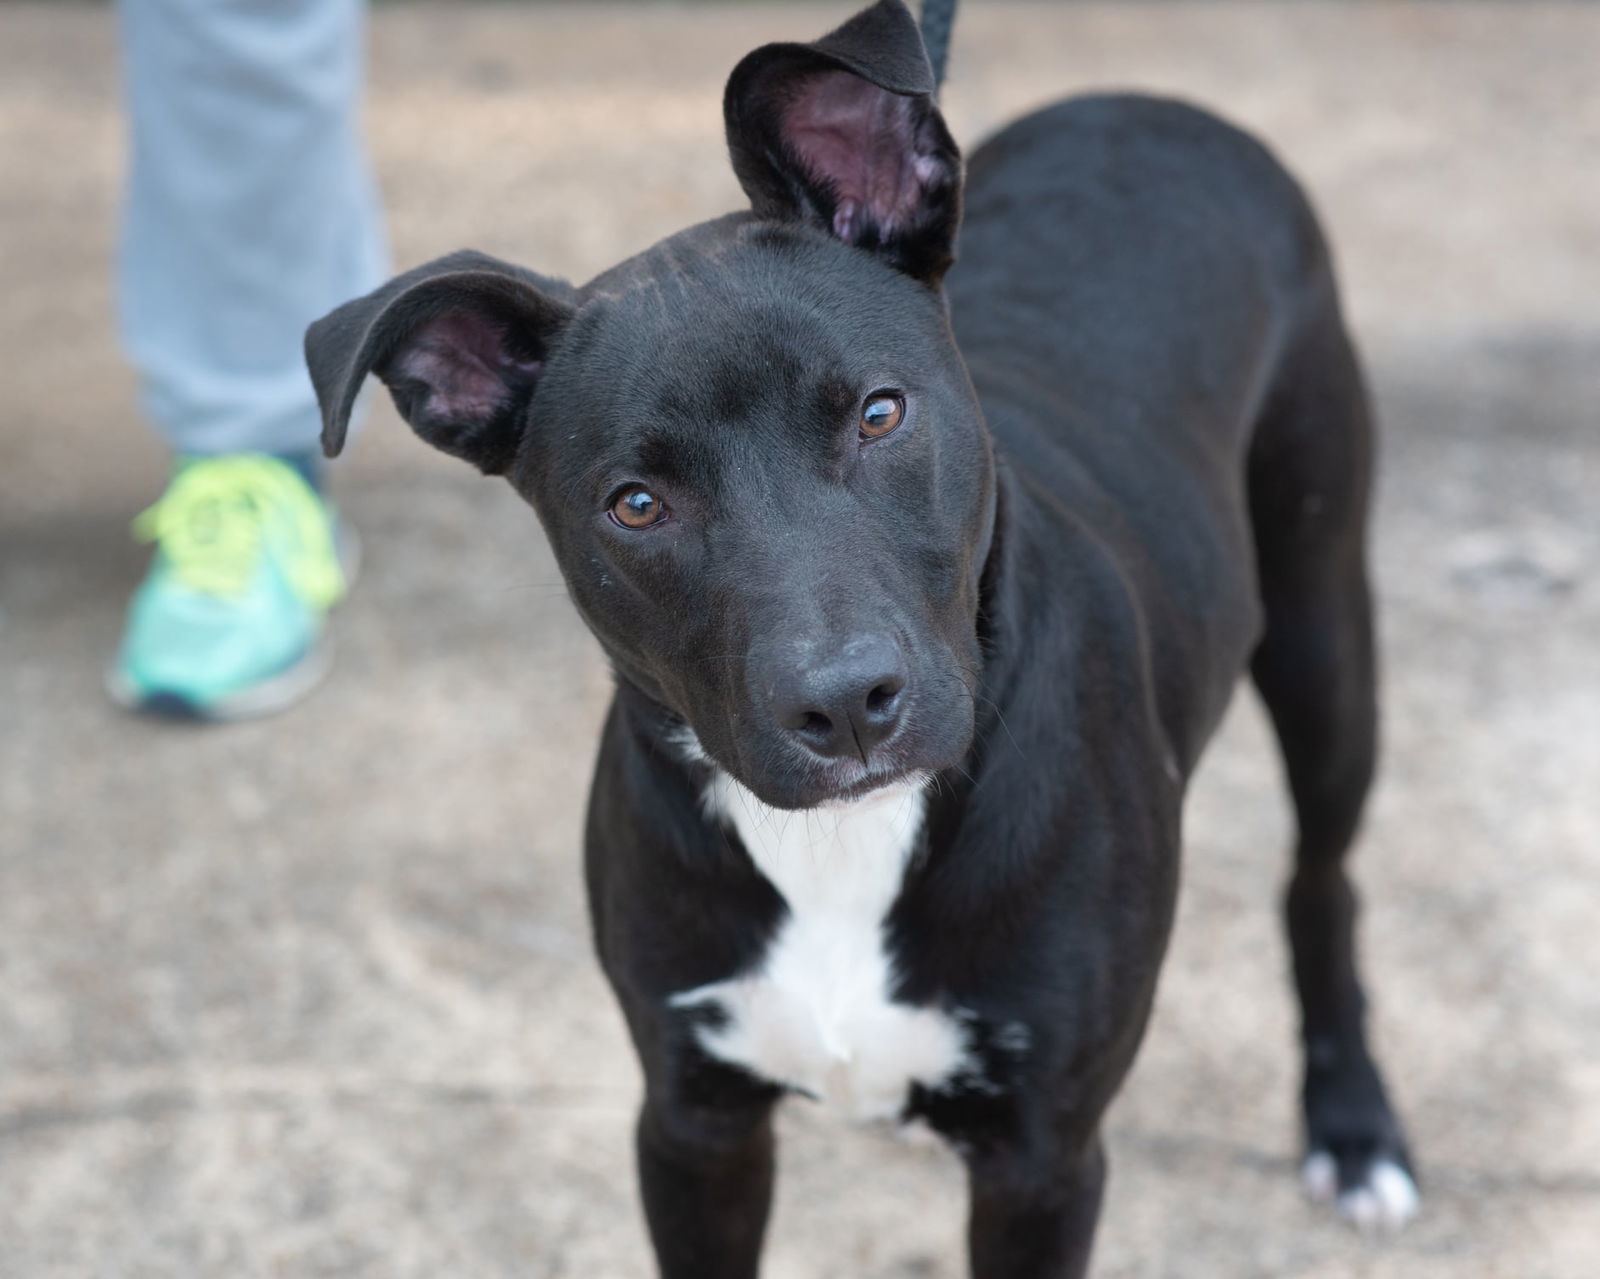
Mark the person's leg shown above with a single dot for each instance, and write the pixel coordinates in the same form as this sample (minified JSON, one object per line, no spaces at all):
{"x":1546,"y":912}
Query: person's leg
{"x":250,"y":211}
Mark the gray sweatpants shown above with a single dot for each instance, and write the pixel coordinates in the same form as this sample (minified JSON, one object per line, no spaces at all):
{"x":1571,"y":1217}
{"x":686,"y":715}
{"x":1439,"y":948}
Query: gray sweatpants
{"x":250,"y":210}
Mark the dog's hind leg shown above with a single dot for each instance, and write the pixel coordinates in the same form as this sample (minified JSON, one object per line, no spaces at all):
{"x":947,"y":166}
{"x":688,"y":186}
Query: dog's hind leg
{"x":1309,"y":480}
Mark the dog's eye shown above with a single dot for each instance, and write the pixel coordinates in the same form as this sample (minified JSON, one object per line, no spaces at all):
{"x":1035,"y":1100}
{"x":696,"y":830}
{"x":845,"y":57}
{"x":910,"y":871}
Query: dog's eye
{"x":882,"y":412}
{"x":637,"y":507}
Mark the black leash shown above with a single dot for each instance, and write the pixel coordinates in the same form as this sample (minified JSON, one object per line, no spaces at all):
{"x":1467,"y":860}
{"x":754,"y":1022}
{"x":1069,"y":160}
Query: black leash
{"x":938,"y":18}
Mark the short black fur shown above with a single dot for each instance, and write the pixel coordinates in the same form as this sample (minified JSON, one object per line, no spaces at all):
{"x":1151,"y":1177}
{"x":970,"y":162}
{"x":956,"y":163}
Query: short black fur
{"x":1134,"y":463}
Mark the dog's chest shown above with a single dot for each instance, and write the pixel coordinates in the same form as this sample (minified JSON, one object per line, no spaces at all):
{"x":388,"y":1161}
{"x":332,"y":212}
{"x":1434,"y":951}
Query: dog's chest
{"x":816,"y":1013}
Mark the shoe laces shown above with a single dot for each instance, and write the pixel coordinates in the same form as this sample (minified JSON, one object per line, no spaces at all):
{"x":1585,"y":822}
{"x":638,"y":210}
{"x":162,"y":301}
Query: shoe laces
{"x":214,"y":521}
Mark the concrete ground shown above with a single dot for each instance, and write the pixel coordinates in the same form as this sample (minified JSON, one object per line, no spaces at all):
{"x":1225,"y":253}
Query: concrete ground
{"x":314,"y":996}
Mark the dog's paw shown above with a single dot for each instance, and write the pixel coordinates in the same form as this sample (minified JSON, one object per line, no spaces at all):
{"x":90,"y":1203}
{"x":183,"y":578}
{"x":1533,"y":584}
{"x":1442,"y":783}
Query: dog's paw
{"x":1372,"y":1190}
{"x":1357,"y":1159}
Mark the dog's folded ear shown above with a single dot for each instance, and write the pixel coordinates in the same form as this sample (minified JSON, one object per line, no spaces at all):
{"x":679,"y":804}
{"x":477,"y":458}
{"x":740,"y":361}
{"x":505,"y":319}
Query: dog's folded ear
{"x":459,"y":342}
{"x":844,"y":134}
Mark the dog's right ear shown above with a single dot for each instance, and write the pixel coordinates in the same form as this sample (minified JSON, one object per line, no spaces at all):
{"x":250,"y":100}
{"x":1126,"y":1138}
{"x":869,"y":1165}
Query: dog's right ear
{"x":844,"y":134}
{"x":459,"y":342}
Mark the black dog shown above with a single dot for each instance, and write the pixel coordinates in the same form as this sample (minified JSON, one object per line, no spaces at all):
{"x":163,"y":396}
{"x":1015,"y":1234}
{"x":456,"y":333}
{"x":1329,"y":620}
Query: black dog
{"x":922,"y":602}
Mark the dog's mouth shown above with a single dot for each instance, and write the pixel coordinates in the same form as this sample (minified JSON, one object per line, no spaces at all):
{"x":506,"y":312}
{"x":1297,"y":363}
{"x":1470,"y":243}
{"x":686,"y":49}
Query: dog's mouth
{"x":848,"y":791}
{"x":839,"y":782}
{"x":870,"y":783}
{"x":830,"y":784}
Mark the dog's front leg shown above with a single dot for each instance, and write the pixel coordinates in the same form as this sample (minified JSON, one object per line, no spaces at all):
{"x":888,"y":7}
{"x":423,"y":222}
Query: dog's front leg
{"x":1033,"y":1212}
{"x":706,"y":1179}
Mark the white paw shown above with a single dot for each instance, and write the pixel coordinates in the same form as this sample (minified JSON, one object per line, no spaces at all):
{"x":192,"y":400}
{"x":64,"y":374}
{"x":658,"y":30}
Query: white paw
{"x":917,"y":1134}
{"x":1380,"y":1205}
{"x":1320,"y":1176}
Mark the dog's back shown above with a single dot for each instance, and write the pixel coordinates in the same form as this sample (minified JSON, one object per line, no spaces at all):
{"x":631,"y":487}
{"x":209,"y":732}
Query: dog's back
{"x":1123,"y":254}
{"x":1132,"y":276}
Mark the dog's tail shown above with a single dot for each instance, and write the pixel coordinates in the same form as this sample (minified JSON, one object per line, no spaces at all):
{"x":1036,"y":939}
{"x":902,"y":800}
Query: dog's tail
{"x":938,"y":19}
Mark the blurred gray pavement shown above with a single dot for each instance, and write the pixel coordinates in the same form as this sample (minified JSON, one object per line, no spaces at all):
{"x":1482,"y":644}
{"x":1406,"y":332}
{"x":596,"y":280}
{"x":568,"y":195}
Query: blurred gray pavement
{"x":314,"y":996}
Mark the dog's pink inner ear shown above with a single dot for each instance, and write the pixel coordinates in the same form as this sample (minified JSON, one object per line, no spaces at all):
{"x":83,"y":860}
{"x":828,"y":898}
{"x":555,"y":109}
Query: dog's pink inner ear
{"x":462,"y":360}
{"x":863,"y":142}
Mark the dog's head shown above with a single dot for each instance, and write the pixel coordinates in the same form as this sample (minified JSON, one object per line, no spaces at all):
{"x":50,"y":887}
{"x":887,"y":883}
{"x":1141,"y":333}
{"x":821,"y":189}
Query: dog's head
{"x":754,"y":447}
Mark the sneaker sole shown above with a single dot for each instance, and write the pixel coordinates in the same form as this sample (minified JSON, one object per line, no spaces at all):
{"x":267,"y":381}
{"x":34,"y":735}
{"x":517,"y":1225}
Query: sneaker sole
{"x":265,"y":697}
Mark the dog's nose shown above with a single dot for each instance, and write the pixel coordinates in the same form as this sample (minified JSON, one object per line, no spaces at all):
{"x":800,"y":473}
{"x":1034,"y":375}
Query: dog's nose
{"x":848,"y":703}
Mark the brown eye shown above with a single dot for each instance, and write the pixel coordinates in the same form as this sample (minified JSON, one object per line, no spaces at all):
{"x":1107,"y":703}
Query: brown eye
{"x":638,"y":508}
{"x":881,"y":414}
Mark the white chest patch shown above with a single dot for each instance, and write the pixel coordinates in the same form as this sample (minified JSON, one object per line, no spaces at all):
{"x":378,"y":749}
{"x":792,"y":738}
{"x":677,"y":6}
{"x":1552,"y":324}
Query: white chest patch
{"x":816,"y":1014}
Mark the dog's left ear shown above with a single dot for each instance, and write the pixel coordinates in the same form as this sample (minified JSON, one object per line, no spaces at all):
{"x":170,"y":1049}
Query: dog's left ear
{"x":844,"y":134}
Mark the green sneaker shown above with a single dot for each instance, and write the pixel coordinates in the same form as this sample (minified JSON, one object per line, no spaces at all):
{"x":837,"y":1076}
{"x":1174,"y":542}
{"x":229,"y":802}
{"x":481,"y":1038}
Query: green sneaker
{"x":231,"y":620}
